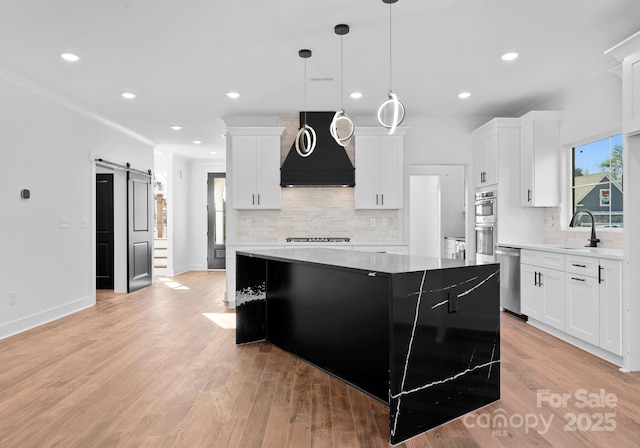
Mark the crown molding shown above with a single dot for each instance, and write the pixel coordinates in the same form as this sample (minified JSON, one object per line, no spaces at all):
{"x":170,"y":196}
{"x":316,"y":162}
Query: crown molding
{"x":42,"y":91}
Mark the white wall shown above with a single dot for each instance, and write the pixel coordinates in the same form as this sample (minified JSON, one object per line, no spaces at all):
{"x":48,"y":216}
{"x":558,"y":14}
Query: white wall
{"x":442,"y":141}
{"x":46,"y":147}
{"x":425,"y":216}
{"x":186,"y":207}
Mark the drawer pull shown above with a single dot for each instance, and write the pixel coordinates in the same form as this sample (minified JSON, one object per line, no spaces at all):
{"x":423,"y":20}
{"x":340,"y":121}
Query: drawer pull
{"x":578,"y":279}
{"x":579,"y":265}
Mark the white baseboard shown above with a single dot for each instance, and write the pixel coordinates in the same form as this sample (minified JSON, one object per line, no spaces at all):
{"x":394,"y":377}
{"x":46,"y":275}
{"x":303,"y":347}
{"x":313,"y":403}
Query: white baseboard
{"x":43,"y":317}
{"x":596,"y":351}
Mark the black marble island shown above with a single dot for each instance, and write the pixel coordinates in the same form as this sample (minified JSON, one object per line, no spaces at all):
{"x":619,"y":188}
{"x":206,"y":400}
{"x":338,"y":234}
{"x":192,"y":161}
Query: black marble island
{"x":419,"y":334}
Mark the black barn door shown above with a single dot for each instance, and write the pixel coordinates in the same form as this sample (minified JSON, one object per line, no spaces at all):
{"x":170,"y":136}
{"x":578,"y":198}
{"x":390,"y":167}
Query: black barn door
{"x":104,"y":231}
{"x":140,"y":232}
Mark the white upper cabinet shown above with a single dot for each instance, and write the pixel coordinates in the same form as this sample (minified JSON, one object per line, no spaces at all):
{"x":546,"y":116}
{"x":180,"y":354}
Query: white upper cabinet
{"x":540,"y":159}
{"x":256,"y":171}
{"x":379,"y":172}
{"x":493,"y":150}
{"x":631,"y":94}
{"x":485,"y":155}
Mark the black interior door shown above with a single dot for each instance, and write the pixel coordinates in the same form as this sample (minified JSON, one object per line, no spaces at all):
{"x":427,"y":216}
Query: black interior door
{"x":216,"y":231}
{"x":140,"y":231}
{"x":104,"y":231}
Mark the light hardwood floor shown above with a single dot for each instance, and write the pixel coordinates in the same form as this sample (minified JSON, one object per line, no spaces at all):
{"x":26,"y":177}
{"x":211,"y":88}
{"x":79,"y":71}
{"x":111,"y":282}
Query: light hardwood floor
{"x":154,"y":369}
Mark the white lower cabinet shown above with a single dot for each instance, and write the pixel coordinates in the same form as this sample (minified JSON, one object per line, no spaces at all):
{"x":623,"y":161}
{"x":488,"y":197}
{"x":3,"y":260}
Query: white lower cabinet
{"x":582,"y":296}
{"x":543,"y":295}
{"x":611,"y":306}
{"x":582,"y":307}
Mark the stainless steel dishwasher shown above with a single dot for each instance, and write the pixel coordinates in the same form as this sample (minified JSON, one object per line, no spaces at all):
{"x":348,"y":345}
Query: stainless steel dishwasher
{"x":509,"y":259}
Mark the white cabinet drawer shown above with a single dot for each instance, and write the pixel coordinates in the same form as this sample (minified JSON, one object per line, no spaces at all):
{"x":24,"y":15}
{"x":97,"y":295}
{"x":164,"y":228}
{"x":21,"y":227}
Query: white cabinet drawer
{"x":576,"y":264}
{"x":549,"y":260}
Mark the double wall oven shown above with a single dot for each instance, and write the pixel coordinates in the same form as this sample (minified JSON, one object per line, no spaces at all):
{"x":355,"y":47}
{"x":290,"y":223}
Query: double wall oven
{"x":486,"y":205}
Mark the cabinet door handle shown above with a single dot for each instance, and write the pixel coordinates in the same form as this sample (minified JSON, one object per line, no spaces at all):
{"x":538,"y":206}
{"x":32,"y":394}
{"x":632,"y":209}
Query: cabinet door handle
{"x":540,"y":279}
{"x":528,"y":195}
{"x":579,"y":265}
{"x":578,"y":279}
{"x":382,"y":198}
{"x":599,"y":274}
{"x":258,"y":198}
{"x":253,"y":199}
{"x":535,"y":278}
{"x":376,"y":198}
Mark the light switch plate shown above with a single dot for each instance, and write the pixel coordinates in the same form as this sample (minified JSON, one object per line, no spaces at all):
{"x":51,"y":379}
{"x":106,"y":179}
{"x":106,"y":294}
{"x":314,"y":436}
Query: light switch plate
{"x":63,"y":222}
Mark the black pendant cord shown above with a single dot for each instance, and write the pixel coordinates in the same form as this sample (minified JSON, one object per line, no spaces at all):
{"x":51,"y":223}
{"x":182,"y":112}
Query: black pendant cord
{"x":305,"y":93}
{"x":390,"y":50}
{"x":341,"y":73}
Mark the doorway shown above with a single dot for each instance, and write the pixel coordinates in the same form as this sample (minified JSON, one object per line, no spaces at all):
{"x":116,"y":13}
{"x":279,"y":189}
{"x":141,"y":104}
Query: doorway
{"x":104,"y":231}
{"x":437,"y":208}
{"x":216,"y":219}
{"x":425,"y":221}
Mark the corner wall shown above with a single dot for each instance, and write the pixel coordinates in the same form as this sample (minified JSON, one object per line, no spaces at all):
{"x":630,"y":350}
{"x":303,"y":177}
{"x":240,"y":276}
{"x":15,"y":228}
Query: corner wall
{"x":48,"y":256}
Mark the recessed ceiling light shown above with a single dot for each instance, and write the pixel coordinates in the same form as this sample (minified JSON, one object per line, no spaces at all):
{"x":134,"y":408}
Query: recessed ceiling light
{"x":511,"y":56}
{"x":176,"y":127}
{"x":197,"y":142}
{"x":70,"y":57}
{"x":356,"y":95}
{"x":212,"y":152}
{"x":464,"y":95}
{"x":128,"y":95}
{"x":233,"y":95}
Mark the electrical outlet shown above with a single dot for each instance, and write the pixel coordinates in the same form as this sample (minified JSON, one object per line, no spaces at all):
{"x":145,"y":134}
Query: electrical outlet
{"x":63,"y":222}
{"x":265,"y":223}
{"x":372,"y":222}
{"x":12,"y":297}
{"x":384,"y":222}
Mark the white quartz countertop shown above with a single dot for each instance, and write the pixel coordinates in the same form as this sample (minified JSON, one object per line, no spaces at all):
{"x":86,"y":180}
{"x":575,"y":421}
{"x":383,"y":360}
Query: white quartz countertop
{"x":364,"y":261}
{"x":594,"y":252}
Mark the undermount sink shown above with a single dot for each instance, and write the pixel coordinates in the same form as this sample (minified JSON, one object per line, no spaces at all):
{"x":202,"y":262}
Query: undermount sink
{"x":571,"y":247}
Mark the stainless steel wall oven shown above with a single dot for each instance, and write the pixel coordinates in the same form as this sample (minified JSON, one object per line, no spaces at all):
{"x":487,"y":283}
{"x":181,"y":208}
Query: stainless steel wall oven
{"x":486,"y":226}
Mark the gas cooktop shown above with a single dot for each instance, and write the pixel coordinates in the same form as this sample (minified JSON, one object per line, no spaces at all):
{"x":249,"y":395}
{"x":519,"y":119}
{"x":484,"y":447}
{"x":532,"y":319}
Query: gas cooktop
{"x":319,"y":239}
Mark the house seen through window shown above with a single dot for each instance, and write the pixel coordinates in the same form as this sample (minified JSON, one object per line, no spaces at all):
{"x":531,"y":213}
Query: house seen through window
{"x":597,"y":182}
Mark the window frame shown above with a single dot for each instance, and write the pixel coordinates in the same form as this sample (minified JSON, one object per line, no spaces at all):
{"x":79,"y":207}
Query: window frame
{"x":568,"y":169}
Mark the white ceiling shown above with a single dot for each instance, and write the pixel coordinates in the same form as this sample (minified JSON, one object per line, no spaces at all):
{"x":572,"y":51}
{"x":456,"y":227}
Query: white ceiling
{"x":180,"y":57}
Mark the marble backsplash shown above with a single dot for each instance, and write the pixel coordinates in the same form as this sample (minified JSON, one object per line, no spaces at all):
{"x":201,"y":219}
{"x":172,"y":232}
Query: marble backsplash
{"x":553,"y":234}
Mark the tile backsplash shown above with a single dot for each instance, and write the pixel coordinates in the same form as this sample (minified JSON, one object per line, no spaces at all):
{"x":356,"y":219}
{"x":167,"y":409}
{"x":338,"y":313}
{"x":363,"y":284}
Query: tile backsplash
{"x":553,"y":234}
{"x":317,"y":212}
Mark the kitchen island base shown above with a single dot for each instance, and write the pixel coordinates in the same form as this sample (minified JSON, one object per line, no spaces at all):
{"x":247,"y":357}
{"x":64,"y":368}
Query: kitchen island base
{"x":421,"y":335}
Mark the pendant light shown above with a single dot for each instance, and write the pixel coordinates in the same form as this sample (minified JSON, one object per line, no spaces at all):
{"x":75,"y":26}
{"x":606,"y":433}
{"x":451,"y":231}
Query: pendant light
{"x":341,"y":119}
{"x":391,"y":111}
{"x":306,"y":137}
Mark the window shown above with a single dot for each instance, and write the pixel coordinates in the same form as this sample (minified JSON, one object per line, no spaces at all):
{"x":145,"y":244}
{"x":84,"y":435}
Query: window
{"x":597,"y":182}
